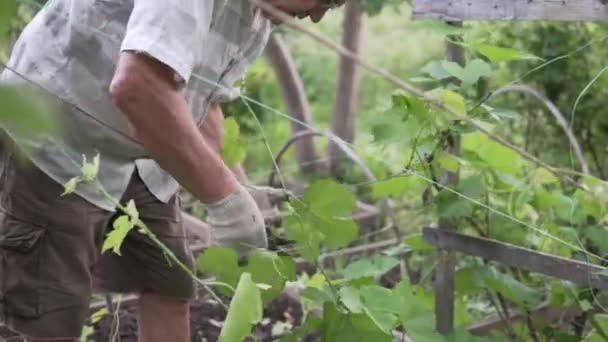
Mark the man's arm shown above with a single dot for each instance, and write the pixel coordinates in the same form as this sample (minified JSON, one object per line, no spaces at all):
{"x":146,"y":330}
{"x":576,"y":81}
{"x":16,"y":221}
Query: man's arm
{"x":212,"y":129}
{"x":147,"y":93}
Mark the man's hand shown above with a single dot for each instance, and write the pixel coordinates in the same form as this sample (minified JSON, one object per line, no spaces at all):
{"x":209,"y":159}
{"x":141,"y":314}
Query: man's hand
{"x":237,"y":222}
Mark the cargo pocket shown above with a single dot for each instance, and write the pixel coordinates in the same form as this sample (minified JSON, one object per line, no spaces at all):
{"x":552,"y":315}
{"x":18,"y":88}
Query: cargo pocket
{"x":20,"y":267}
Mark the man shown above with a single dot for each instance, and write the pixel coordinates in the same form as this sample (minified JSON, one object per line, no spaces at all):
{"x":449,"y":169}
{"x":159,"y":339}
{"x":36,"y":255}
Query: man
{"x":147,"y":77}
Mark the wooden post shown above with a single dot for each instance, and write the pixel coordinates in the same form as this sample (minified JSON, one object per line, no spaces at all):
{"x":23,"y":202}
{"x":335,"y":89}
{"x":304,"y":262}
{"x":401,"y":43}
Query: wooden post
{"x":446,"y":264}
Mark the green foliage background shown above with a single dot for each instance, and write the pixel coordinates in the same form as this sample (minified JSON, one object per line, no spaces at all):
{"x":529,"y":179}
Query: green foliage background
{"x":497,"y":192}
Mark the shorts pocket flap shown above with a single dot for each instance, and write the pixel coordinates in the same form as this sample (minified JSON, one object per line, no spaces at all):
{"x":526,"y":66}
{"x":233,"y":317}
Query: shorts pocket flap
{"x":19,"y":236}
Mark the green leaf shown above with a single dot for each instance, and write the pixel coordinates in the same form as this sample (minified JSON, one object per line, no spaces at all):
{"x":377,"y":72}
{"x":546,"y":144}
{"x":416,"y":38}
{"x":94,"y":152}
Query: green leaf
{"x":475,"y":70}
{"x":500,"y":54}
{"x":417,"y":243}
{"x":351,"y":298}
{"x":318,"y":219}
{"x":300,"y":227}
{"x":122,"y":226}
{"x":222,"y":263}
{"x":327,"y":198}
{"x":436,"y":70}
{"x":341,"y":327}
{"x":492,"y":153}
{"x":455,"y":102}
{"x":234,"y":150}
{"x":375,"y":266}
{"x":245,"y":311}
{"x":543,"y":176}
{"x":90,"y":170}
{"x":338,"y":233}
{"x":269,"y":268}
{"x":70,"y":186}
{"x":512,"y":289}
{"x":415,"y":313}
{"x":311,"y":324}
{"x":318,"y":296}
{"x":24,"y":113}
{"x":599,"y":322}
{"x":471,"y":73}
{"x":389,"y":127}
{"x":380,"y":306}
{"x":449,"y":204}
{"x":598,"y":236}
{"x":447,"y":161}
{"x":99,"y":315}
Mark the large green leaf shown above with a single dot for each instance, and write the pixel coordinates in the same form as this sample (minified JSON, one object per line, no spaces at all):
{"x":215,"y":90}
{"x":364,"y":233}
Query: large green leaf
{"x":341,"y":327}
{"x":264,"y":266}
{"x":319,"y":218}
{"x":374,"y":266}
{"x":492,"y":153}
{"x":270,"y":269}
{"x":245,"y":311}
{"x":222,"y":263}
{"x":327,"y":198}
{"x":380,"y":306}
{"x":470,"y":73}
{"x":415,"y":313}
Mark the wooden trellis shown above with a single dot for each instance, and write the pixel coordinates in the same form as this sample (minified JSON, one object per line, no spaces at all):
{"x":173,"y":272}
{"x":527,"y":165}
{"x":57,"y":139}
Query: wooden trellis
{"x":448,"y":241}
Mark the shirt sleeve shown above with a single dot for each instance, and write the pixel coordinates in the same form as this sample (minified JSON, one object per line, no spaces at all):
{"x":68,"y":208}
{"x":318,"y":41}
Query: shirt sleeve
{"x":169,"y":31}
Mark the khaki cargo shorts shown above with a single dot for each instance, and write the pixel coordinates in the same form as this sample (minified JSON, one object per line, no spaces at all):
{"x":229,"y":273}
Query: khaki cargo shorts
{"x":50,"y":259}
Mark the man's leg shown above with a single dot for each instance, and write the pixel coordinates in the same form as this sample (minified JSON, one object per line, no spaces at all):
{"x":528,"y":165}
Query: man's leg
{"x":164,"y":288}
{"x":163,"y":319}
{"x":46,"y":251}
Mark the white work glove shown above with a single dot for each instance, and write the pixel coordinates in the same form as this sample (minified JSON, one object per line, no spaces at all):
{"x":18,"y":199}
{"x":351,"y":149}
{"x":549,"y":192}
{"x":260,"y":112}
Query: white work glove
{"x":237,"y":223}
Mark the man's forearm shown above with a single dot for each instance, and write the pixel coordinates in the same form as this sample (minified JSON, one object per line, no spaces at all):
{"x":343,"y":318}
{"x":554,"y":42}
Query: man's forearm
{"x":164,"y":126}
{"x":212,"y":129}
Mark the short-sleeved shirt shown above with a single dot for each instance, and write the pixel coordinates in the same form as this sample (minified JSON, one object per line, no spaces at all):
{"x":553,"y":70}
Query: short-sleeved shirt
{"x":71,"y":48}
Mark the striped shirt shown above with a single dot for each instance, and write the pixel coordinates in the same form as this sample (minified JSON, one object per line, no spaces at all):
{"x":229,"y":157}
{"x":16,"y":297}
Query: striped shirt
{"x":71,"y":48}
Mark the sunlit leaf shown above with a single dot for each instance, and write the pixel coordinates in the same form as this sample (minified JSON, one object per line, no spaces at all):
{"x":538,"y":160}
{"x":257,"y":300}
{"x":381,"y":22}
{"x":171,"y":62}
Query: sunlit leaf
{"x":114,"y":240}
{"x":245,"y":311}
{"x":499,"y":54}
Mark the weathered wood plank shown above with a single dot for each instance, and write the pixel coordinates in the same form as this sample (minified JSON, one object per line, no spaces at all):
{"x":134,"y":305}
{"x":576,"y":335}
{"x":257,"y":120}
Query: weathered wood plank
{"x":561,"y":10}
{"x":575,"y":271}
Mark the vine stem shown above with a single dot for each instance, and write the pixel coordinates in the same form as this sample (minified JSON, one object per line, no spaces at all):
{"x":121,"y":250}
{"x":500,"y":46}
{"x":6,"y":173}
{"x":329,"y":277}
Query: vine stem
{"x":169,"y":253}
